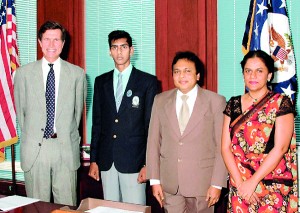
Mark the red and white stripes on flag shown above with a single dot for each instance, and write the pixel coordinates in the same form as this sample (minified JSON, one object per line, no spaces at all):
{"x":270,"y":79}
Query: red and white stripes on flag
{"x":8,"y":64}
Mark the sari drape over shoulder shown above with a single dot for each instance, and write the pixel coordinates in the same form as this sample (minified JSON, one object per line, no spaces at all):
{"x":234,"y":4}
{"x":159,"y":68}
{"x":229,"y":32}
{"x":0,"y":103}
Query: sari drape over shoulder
{"x":252,"y":138}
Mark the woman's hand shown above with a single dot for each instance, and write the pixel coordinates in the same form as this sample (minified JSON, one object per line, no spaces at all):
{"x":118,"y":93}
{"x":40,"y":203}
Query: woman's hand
{"x":246,"y":190}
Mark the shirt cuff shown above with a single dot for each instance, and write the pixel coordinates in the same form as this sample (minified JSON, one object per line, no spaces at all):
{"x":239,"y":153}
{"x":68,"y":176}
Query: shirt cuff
{"x":218,"y":187}
{"x":154,"y":182}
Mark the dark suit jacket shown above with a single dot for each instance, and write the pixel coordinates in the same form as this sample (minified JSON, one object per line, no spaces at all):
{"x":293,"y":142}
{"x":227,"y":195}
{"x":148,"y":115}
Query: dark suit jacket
{"x":121,"y":137}
{"x":191,"y":161}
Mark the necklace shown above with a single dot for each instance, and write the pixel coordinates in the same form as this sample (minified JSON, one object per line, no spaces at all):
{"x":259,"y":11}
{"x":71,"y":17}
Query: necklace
{"x":256,"y":99}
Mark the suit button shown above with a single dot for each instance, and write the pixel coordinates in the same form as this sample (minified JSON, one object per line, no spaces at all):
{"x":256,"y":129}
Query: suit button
{"x":179,"y":160}
{"x":42,"y":130}
{"x":114,"y":136}
{"x":180,"y":143}
{"x":40,"y":144}
{"x":116,"y":121}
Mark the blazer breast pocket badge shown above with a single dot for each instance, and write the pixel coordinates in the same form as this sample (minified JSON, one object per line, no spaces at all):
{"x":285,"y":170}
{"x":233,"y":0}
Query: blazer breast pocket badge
{"x":135,"y":102}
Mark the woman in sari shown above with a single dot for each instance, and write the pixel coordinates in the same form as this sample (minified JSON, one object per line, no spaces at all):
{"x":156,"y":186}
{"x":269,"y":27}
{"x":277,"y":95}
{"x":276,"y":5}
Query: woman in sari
{"x":259,"y":144}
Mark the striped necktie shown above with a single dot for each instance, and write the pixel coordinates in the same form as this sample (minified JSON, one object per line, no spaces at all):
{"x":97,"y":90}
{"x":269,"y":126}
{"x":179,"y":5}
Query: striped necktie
{"x":119,"y":92}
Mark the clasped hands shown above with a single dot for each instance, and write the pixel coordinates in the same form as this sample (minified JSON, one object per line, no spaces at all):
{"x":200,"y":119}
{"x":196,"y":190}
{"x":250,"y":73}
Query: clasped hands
{"x":246,"y":191}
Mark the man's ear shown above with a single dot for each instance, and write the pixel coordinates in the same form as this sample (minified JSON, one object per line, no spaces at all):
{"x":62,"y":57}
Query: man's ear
{"x":131,"y":50}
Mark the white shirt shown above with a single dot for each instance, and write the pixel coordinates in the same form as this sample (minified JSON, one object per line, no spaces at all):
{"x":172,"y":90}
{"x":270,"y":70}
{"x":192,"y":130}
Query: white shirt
{"x":46,"y":69}
{"x":190,"y":101}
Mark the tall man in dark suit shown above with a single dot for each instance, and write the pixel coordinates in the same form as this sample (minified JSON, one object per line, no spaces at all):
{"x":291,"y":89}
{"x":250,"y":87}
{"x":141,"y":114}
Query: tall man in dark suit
{"x":184,"y":162}
{"x":122,"y":106}
{"x":49,"y":96}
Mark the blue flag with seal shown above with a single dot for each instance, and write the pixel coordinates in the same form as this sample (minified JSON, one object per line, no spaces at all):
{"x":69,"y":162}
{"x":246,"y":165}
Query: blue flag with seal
{"x":267,"y":29}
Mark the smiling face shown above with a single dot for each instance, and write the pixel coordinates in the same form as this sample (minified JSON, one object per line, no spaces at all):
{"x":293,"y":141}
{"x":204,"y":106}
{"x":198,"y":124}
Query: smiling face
{"x":185,"y":76}
{"x":256,"y":74}
{"x":51,"y":44}
{"x":121,"y":52}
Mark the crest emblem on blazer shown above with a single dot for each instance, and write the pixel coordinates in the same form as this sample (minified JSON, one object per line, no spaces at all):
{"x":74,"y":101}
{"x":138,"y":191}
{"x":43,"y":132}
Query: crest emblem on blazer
{"x":129,"y":93}
{"x":135,"y":102}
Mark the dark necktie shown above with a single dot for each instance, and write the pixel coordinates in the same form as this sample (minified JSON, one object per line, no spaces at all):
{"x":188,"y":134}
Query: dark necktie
{"x":50,"y":103}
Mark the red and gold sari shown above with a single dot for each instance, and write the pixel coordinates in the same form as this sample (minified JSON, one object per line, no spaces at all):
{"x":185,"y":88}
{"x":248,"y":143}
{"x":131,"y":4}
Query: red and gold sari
{"x":252,"y":138}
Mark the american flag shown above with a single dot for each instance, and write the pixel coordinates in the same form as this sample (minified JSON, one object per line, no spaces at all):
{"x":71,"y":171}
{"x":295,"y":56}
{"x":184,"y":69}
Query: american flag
{"x":267,"y":28}
{"x":8,"y":64}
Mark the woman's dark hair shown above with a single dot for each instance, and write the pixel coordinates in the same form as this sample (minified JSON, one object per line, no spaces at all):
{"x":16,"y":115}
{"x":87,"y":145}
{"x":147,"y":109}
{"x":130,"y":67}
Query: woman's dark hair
{"x":266,"y":58}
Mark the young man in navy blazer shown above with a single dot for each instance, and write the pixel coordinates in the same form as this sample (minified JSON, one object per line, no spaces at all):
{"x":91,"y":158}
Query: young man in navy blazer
{"x":121,"y":115}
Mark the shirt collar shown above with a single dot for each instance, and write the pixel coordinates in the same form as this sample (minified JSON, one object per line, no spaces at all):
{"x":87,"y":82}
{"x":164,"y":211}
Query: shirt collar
{"x":124,"y":72}
{"x":46,"y":63}
{"x":191,"y":93}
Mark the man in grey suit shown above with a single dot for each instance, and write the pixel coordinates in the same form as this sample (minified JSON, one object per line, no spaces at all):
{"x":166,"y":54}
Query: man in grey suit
{"x":49,"y":97}
{"x":184,"y":162}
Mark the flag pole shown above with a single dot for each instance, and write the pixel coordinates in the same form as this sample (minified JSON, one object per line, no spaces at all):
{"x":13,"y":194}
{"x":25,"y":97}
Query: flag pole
{"x":13,"y":172}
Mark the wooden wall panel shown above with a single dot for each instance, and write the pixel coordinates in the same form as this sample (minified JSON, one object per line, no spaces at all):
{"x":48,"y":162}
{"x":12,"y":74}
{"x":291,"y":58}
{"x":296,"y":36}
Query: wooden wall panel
{"x":69,"y":13}
{"x":211,"y":45}
{"x":186,"y":25}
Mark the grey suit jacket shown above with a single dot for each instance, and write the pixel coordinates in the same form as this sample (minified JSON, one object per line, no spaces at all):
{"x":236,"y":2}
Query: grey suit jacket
{"x":191,"y":161}
{"x":30,"y":103}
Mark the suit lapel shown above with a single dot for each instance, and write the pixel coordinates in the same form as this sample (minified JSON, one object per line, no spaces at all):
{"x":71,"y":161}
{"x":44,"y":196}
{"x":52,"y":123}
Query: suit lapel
{"x":109,"y":91}
{"x":199,"y":110}
{"x":63,"y":89}
{"x":130,"y":86}
{"x":38,"y":84}
{"x":170,"y":111}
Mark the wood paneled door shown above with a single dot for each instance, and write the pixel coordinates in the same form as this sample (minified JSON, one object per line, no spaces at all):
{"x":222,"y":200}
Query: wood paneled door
{"x":186,"y":25}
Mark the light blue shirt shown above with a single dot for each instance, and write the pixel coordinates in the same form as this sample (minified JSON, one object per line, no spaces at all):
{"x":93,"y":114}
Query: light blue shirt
{"x":125,"y":77}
